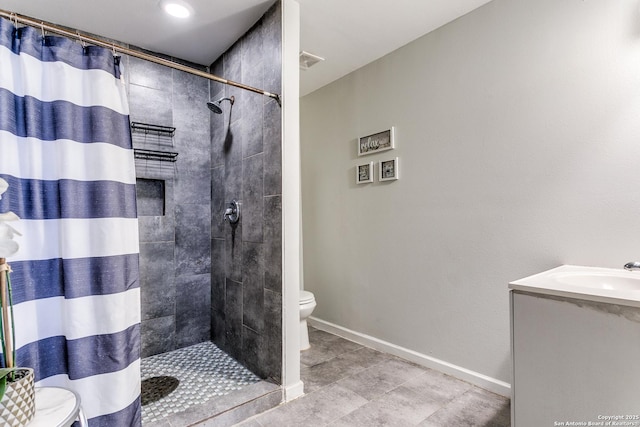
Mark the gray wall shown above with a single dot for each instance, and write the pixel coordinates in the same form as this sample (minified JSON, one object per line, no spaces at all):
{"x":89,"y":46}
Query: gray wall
{"x":518,"y":137}
{"x":246,"y":277}
{"x":175,"y":252}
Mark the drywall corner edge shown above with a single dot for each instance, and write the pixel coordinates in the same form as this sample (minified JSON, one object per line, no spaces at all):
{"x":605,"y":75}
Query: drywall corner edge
{"x":291,"y":201}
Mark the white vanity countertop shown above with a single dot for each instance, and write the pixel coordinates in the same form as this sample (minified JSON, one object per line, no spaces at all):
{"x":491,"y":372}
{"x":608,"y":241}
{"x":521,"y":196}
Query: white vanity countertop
{"x":608,"y":285}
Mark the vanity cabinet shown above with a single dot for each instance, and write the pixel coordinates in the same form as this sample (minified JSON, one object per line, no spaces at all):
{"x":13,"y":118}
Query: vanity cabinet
{"x":576,"y":362}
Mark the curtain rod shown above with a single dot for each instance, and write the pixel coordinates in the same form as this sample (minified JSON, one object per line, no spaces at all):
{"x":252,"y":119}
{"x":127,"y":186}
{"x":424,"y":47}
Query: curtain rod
{"x":140,"y":55}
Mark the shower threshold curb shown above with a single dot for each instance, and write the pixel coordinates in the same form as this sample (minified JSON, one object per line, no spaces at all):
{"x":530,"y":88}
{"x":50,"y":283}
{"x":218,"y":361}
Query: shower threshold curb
{"x":226,"y":410}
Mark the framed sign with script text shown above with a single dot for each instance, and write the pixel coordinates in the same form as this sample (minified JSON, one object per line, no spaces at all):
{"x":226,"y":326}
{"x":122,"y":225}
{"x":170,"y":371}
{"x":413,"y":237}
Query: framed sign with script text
{"x":376,"y":143}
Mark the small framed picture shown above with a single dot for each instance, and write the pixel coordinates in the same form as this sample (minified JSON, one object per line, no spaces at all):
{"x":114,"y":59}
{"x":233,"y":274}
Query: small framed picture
{"x":376,"y":143}
{"x":364,"y":173}
{"x":388,"y":170}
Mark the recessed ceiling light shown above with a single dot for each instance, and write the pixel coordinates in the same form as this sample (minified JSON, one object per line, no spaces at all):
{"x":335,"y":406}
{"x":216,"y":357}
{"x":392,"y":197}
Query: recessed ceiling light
{"x":177,"y":8}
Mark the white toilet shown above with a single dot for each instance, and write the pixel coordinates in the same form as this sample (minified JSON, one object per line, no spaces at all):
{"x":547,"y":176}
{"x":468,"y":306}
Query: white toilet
{"x":307,"y":304}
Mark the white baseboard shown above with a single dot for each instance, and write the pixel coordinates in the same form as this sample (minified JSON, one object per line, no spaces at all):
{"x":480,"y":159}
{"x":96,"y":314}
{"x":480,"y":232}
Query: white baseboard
{"x":499,"y":387}
{"x":293,"y":391}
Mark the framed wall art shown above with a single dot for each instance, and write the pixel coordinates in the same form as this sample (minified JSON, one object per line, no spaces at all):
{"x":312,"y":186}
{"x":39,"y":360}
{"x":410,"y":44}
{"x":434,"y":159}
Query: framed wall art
{"x":364,"y":173}
{"x":376,"y":143}
{"x":388,"y":170}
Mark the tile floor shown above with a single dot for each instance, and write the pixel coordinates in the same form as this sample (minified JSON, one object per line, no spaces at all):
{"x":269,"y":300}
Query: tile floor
{"x":205,"y":372}
{"x":347,"y":384}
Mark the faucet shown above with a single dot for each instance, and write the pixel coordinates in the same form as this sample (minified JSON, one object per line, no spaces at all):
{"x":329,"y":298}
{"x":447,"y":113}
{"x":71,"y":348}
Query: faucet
{"x":632,"y":266}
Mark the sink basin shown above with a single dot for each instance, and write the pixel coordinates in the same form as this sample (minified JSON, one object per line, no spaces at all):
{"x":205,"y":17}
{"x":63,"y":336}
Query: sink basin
{"x":616,"y":286}
{"x":611,"y":281}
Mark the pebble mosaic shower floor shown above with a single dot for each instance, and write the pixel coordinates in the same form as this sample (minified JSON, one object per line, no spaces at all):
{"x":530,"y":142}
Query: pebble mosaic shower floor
{"x":204,"y":372}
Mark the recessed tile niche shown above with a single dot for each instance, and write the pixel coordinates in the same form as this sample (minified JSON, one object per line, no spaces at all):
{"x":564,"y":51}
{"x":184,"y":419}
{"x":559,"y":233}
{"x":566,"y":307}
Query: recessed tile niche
{"x":151,"y":197}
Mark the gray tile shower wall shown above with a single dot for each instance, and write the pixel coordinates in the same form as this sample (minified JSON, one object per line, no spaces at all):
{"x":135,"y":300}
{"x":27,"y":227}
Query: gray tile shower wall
{"x":246,"y":295}
{"x":201,"y":278}
{"x":175,"y":248}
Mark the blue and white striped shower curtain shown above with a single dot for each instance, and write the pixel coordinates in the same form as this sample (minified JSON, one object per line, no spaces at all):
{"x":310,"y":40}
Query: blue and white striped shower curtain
{"x":65,"y":150}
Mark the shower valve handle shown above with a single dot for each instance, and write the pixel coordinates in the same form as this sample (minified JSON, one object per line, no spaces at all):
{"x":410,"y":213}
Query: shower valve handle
{"x":232,"y":213}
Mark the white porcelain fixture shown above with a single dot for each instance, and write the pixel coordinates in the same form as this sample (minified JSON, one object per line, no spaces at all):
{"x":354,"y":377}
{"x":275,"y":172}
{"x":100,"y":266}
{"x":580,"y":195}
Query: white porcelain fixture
{"x":609,"y":285}
{"x":307,"y":304}
{"x":613,"y":282}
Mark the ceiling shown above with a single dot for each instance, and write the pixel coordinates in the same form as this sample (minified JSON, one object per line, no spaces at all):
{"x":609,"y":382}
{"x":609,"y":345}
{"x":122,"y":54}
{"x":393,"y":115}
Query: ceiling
{"x":347,"y":33}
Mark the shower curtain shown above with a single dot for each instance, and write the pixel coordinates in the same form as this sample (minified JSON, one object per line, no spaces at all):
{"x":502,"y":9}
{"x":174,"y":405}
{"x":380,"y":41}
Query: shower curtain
{"x":65,"y":150}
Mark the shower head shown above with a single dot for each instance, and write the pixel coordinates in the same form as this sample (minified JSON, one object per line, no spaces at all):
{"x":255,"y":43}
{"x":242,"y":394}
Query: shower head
{"x":215,"y":106}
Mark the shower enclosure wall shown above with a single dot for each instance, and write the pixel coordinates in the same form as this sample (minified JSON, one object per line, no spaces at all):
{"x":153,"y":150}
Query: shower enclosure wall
{"x":200,"y":278}
{"x":246,"y":140}
{"x":175,"y":254}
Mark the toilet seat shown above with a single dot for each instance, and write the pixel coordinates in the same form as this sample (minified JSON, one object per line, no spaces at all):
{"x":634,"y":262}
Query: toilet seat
{"x":306,"y":297}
